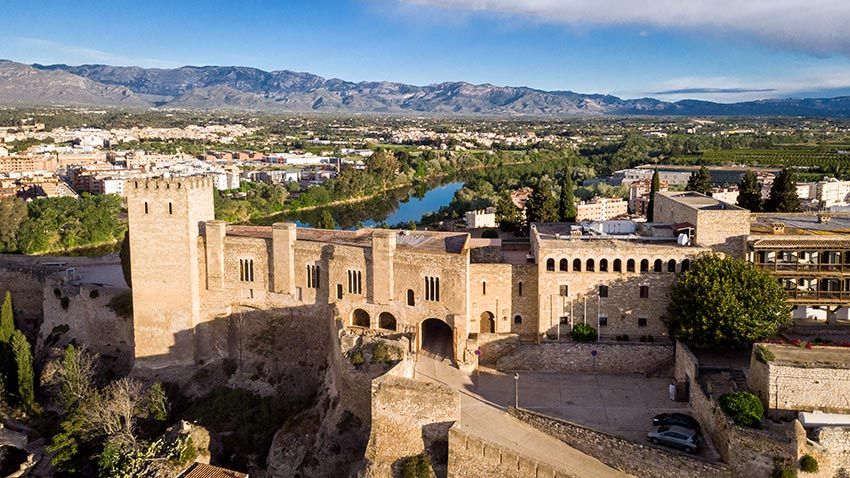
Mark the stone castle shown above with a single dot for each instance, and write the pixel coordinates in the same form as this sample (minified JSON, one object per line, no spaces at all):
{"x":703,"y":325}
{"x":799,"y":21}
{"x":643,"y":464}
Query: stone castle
{"x":189,"y":269}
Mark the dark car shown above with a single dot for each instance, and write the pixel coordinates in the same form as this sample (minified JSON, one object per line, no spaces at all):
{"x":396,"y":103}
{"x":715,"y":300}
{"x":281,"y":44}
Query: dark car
{"x":682,"y":438}
{"x":677,"y":419}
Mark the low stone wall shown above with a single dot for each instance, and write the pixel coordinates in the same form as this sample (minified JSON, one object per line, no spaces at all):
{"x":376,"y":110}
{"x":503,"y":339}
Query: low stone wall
{"x":832,"y":451}
{"x":748,"y":451}
{"x":473,"y":457}
{"x":575,"y":357}
{"x":495,"y":346}
{"x":630,"y":457}
{"x":785,"y":385}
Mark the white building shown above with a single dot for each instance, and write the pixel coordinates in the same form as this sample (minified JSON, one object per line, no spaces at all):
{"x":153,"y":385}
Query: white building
{"x":479,"y":219}
{"x":4,"y":152}
{"x":601,"y":209}
{"x":728,"y":195}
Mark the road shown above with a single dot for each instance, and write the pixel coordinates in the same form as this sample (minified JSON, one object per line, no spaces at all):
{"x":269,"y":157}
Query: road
{"x":487,"y":420}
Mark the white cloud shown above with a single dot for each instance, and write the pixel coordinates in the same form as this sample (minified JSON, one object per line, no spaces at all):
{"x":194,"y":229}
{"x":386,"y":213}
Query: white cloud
{"x":816,"y":26}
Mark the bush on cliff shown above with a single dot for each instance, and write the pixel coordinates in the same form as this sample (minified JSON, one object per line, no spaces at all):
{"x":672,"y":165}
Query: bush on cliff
{"x":416,"y":467}
{"x":809,"y":464}
{"x":744,"y":408}
{"x":584,"y":333}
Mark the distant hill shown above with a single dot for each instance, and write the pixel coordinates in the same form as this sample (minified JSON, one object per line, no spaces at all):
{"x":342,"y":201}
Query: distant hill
{"x":244,"y":88}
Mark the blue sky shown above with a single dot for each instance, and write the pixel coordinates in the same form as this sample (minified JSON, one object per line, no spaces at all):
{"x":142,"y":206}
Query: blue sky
{"x":720,"y":50}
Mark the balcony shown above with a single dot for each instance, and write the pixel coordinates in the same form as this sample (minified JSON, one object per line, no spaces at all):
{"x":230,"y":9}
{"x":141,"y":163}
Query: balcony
{"x":818,"y":296}
{"x":802,"y":267}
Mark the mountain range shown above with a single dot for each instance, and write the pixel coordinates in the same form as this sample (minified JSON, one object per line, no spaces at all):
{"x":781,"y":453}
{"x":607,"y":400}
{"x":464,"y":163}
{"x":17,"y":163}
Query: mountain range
{"x":252,"y":89}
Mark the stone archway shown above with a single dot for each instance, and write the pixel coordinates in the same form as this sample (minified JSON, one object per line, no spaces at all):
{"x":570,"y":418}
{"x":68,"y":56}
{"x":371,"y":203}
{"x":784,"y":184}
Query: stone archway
{"x":487,"y":323}
{"x":437,"y":338}
{"x":387,"y":321}
{"x":360,"y":318}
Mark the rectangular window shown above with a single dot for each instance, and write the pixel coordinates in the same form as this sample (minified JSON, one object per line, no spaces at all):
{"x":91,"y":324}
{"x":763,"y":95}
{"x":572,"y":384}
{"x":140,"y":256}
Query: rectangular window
{"x":432,"y":289}
{"x":519,"y":288}
{"x":642,"y":322}
{"x":483,"y":288}
{"x":246,"y":270}
{"x":564,"y":320}
{"x":565,"y":290}
{"x":644,"y":292}
{"x":355,"y":282}
{"x":313,"y":276}
{"x":603,"y":291}
{"x":603,"y":321}
{"x":339,"y":291}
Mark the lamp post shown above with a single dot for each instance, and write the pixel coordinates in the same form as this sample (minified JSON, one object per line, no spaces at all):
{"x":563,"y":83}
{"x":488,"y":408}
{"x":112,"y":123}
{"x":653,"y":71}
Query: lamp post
{"x":516,"y":390}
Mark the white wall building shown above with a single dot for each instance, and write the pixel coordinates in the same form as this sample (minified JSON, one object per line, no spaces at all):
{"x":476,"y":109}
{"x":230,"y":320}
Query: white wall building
{"x":601,"y":209}
{"x":479,"y":219}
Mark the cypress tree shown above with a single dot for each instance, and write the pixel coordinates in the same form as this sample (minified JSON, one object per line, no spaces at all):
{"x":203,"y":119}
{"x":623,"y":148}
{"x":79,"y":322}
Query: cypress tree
{"x":507,"y":214}
{"x":541,"y":205}
{"x":749,"y":192}
{"x":7,"y":319}
{"x":783,"y":193}
{"x":700,"y":181}
{"x":23,"y":361}
{"x":653,"y":188}
{"x":567,"y":200}
{"x":326,"y":220}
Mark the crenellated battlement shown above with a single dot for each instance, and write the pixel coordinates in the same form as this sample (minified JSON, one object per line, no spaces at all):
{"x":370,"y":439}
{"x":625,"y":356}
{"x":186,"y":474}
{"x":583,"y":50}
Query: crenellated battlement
{"x":183,"y":182}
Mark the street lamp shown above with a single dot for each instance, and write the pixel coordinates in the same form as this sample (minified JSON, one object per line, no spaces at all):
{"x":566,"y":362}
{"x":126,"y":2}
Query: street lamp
{"x":516,"y":390}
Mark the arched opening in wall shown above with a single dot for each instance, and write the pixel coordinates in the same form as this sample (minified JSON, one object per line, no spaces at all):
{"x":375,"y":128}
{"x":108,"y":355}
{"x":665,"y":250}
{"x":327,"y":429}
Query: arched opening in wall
{"x":603,"y":265}
{"x":591,"y":266}
{"x":360,"y":318}
{"x":644,"y":265}
{"x":576,"y":265}
{"x":488,"y":323}
{"x":671,"y":265}
{"x":618,"y":265}
{"x":550,"y":264}
{"x":630,"y":265}
{"x":517,"y":320}
{"x":411,"y":297}
{"x":387,"y":321}
{"x":563,"y":265}
{"x":658,"y":265}
{"x":686,"y":265}
{"x":437,"y":338}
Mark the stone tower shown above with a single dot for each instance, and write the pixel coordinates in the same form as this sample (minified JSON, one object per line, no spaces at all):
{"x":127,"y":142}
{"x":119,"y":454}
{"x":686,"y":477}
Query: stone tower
{"x":165,"y":220}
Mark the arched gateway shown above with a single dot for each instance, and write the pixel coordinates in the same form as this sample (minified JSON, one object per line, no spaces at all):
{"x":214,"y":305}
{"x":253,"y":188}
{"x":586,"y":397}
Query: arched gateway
{"x":437,"y":338}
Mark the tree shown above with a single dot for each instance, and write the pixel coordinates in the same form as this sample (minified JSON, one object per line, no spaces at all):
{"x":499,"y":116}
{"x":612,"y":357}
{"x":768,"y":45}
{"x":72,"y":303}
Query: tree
{"x":7,"y":319}
{"x":656,"y":185}
{"x":326,"y":220}
{"x":567,"y":200}
{"x":13,"y":211}
{"x":700,"y":181}
{"x":749,"y":192}
{"x":725,"y":302}
{"x":508,"y":215}
{"x":541,"y":205}
{"x":76,"y":377}
{"x":124,"y":254}
{"x":23,"y":362}
{"x":783,"y":193}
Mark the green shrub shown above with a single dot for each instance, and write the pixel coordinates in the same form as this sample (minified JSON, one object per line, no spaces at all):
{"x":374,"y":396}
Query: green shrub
{"x":784,"y":473}
{"x":490,"y":234}
{"x":122,"y":304}
{"x":381,"y":353}
{"x":584,"y":333}
{"x":416,"y":467}
{"x":763,"y":354}
{"x":809,"y":464}
{"x":744,"y":408}
{"x":357,"y":358}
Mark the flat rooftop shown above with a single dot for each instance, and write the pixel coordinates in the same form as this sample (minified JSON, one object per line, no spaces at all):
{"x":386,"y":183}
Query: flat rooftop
{"x":699,"y":201}
{"x":800,"y":223}
{"x":561,"y":232}
{"x":426,"y":241}
{"x":816,"y":357}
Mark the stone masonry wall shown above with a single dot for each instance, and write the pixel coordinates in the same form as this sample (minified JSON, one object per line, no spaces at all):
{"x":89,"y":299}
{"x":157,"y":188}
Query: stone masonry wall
{"x":630,"y":457}
{"x":574,"y":357}
{"x":473,"y":457}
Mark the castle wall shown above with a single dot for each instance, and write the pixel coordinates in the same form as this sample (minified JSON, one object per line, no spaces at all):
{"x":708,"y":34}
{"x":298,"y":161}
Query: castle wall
{"x":576,"y":358}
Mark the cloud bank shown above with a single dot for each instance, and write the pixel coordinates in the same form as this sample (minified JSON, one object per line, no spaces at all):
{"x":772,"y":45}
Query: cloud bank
{"x":814,"y":26}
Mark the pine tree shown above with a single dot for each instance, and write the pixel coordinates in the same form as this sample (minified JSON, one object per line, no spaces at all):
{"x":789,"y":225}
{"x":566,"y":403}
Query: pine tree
{"x":7,"y":319}
{"x":700,"y":181}
{"x":783,"y":193}
{"x":541,"y":205}
{"x":567,"y":200}
{"x":656,"y":185}
{"x":749,"y":192}
{"x":23,"y":361}
{"x":507,"y":214}
{"x":326,"y":220}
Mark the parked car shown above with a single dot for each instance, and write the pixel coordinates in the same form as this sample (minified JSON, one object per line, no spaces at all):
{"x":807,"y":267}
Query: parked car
{"x":682,"y":438}
{"x":677,"y":419}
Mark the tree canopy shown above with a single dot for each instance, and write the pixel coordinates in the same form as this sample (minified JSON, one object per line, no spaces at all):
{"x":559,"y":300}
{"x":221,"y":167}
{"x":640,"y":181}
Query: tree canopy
{"x":541,"y":205}
{"x":654,"y":187}
{"x":508,"y":215}
{"x":700,"y":181}
{"x":567,"y":199}
{"x":783,"y":193}
{"x":749,"y":192}
{"x":725,"y":302}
